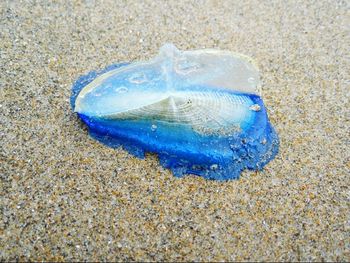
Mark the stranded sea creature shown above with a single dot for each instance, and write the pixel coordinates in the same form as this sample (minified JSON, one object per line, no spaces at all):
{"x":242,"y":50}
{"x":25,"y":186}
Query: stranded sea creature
{"x":200,"y":111}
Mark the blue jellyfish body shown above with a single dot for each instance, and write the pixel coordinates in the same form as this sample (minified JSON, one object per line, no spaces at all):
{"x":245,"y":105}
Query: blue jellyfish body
{"x":199,"y":119}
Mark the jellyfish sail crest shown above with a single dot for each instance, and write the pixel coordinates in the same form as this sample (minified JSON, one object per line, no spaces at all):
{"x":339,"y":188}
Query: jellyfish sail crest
{"x":209,"y":67}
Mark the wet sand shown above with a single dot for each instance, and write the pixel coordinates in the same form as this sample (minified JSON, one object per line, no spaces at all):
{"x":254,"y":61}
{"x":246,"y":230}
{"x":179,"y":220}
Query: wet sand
{"x":65,"y":196}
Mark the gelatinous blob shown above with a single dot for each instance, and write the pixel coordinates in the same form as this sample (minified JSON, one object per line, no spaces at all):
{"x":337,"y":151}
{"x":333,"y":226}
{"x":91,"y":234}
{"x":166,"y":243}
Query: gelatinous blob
{"x":121,"y":90}
{"x":138,"y":78}
{"x":200,"y":111}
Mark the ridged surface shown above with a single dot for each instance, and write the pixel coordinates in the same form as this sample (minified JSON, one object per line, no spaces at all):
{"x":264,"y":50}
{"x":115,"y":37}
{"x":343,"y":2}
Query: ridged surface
{"x":203,"y":111}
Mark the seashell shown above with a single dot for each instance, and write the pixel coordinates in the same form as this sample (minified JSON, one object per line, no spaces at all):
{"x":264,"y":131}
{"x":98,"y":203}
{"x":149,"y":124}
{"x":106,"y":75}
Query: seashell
{"x":200,"y":111}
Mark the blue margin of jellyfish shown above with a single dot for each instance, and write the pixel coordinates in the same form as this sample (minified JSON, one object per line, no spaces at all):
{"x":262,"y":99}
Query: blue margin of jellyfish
{"x":252,"y":155}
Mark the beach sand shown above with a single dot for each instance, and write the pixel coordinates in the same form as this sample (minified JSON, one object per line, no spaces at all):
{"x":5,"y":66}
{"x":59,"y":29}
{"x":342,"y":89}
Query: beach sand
{"x":64,"y":196}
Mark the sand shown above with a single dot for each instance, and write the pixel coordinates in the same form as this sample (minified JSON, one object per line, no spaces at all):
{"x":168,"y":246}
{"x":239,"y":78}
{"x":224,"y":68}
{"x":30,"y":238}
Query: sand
{"x":65,"y":196}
